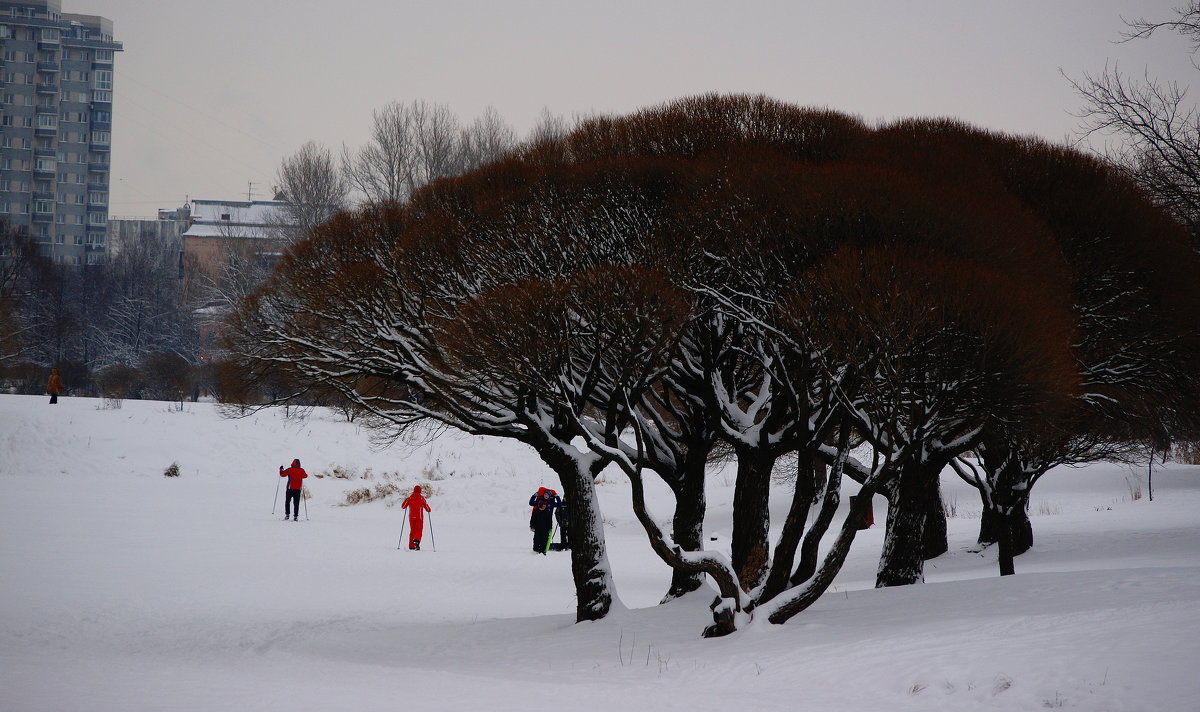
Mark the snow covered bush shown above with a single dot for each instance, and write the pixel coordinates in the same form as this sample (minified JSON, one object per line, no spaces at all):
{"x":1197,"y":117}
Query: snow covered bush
{"x":172,"y":470}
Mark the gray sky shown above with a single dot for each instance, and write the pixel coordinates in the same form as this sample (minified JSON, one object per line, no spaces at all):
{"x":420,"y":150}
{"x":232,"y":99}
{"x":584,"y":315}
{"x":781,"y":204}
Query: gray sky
{"x":211,"y":94}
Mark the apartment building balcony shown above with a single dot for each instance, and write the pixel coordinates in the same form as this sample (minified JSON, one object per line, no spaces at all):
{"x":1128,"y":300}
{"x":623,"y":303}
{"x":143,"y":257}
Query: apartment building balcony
{"x":114,"y":45}
{"x":47,"y":66}
{"x":101,"y":147}
{"x":43,"y":196}
{"x":97,"y":168}
{"x":47,"y":88}
{"x":47,"y":109}
{"x":43,"y":217}
{"x":97,"y":207}
{"x":45,"y":130}
{"x":51,"y":170}
{"x":45,"y":153}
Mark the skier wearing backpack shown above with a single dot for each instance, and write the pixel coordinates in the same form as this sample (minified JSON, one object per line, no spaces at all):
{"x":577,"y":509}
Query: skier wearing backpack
{"x":541,"y":519}
{"x":417,"y":507}
{"x":295,"y":487}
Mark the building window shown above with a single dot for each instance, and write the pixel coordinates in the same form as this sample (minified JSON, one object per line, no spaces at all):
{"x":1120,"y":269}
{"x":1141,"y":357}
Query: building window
{"x":103,"y":79}
{"x":43,"y":206}
{"x":47,"y":121}
{"x":102,"y":96}
{"x":97,"y":219}
{"x":46,"y":163}
{"x":102,"y":117}
{"x":101,"y":137}
{"x":97,"y":198}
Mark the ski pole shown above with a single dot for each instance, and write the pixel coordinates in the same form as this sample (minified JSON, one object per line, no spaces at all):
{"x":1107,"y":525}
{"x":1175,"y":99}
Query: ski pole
{"x":402,"y":525}
{"x":550,"y":539}
{"x":432,"y":538}
{"x":275,"y":502}
{"x":305,"y":501}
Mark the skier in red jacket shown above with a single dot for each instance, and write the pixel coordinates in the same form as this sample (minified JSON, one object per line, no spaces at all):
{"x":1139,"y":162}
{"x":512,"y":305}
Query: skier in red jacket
{"x":295,"y":486}
{"x":417,"y":506}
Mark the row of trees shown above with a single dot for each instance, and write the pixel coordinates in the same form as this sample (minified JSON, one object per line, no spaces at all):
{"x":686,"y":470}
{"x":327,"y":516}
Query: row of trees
{"x":83,"y":318}
{"x":731,"y":273}
{"x":86,"y":318}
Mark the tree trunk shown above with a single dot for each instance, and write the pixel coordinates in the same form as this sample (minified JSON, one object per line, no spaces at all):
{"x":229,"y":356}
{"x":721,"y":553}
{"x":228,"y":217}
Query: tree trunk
{"x":751,"y":516}
{"x":1019,"y":527}
{"x":1005,"y":548}
{"x":589,"y":557}
{"x":831,"y":566}
{"x":990,"y":523}
{"x":687,"y":528}
{"x":993,"y":524}
{"x":936,"y":539}
{"x":807,"y":474}
{"x":902,"y":561}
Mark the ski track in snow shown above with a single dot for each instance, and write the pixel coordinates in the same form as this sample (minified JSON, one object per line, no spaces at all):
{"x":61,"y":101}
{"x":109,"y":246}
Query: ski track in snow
{"x":126,"y":590}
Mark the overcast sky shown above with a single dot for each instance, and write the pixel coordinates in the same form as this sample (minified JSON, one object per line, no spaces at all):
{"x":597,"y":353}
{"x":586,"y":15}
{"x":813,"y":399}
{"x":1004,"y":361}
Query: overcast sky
{"x":210,"y":95}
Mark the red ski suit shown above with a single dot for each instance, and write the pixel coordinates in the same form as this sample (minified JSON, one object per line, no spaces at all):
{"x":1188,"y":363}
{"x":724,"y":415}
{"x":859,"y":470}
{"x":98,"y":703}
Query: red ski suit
{"x":416,"y":506}
{"x":295,"y":475}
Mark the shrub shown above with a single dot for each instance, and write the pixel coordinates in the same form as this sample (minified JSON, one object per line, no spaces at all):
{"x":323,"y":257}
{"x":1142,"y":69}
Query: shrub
{"x":172,"y":470}
{"x":118,"y":381}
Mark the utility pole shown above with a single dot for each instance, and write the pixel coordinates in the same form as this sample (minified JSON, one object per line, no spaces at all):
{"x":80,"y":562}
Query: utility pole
{"x":249,"y":188}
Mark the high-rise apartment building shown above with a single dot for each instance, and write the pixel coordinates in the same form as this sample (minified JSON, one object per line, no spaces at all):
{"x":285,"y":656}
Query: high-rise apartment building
{"x":56,"y":92}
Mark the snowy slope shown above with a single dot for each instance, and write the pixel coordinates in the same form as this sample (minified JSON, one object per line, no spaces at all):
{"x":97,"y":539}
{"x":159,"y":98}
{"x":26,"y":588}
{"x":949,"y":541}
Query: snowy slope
{"x":126,"y":590}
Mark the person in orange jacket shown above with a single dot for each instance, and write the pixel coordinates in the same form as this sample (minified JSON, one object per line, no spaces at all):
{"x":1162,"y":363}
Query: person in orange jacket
{"x":54,"y":385}
{"x":295,"y":487}
{"x":417,"y":507}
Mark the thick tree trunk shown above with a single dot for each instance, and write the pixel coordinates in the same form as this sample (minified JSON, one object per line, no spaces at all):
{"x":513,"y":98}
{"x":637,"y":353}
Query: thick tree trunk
{"x":902,"y":561}
{"x":989,"y":526}
{"x":992,"y":524}
{"x":936,"y":538}
{"x":687,"y":528}
{"x":1005,"y":548}
{"x":1020,"y":529}
{"x":589,"y":557}
{"x":751,"y":516}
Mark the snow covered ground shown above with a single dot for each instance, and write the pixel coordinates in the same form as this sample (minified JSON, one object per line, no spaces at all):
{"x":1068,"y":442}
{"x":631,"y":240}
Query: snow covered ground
{"x":122,"y":589}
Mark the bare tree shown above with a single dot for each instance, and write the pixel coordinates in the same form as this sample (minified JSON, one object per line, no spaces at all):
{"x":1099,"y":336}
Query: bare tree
{"x":312,"y":183}
{"x":489,"y":138}
{"x":21,"y":269}
{"x":549,"y":127}
{"x":1156,"y":127}
{"x":410,"y":145}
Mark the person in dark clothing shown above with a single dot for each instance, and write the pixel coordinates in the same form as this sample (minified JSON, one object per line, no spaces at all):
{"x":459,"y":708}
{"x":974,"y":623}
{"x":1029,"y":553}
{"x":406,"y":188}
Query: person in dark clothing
{"x":560,"y":516}
{"x":542,"y":518}
{"x":295,"y":487}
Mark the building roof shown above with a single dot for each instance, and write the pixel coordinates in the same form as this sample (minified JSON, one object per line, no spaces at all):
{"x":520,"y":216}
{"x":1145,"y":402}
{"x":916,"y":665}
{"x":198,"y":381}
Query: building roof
{"x":235,"y":218}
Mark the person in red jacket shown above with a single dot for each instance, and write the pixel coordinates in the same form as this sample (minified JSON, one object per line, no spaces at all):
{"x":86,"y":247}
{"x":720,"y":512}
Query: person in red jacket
{"x":417,"y":507}
{"x":295,"y":487}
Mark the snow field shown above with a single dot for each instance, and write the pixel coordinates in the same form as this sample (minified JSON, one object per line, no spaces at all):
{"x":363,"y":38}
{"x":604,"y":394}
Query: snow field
{"x":126,"y":590}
